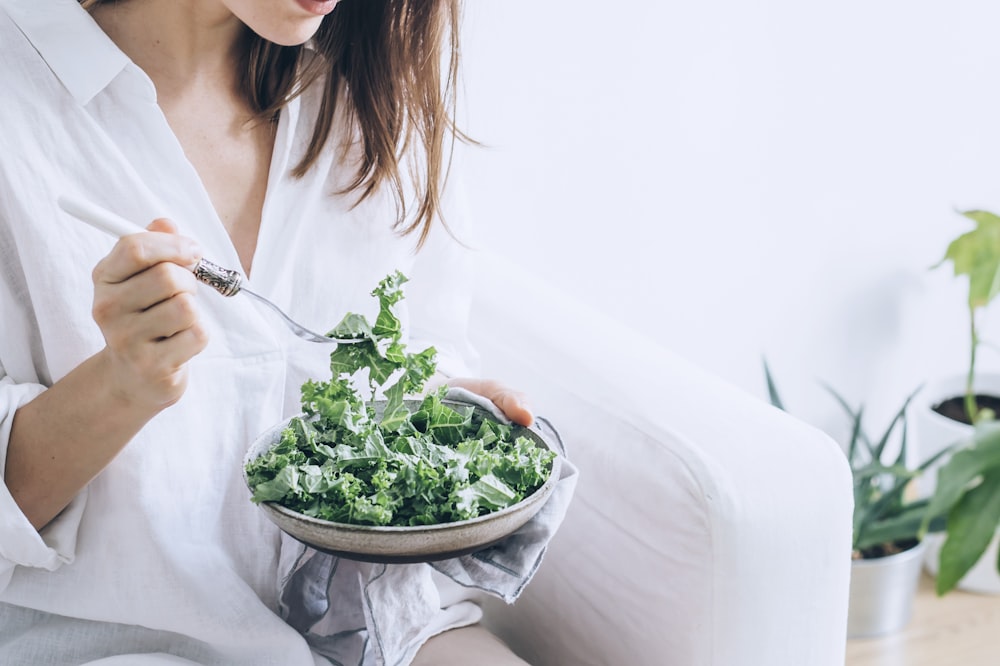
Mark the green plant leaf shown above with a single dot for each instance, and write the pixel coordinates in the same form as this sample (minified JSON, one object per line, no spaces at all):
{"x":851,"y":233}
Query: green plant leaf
{"x":900,"y":415}
{"x":889,"y":504}
{"x":972,"y":523}
{"x":934,"y":458}
{"x":976,"y":253}
{"x":900,"y":527}
{"x":445,"y":424}
{"x":395,"y":413}
{"x":965,"y":466}
{"x":772,"y":390}
{"x":351,"y":326}
{"x":903,"y":442}
{"x":857,"y":433}
{"x":389,"y":292}
{"x":491,"y":492}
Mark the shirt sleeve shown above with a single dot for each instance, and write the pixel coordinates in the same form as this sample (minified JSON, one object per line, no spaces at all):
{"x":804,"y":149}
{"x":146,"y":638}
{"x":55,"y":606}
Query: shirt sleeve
{"x":442,"y":283}
{"x":20,"y":543}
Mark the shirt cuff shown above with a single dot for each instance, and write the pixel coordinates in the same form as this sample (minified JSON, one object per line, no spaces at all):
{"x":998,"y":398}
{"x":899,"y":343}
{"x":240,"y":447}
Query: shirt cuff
{"x":20,"y":543}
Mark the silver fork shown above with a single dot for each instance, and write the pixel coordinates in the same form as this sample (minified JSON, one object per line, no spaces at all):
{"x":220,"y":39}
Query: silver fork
{"x":226,"y":281}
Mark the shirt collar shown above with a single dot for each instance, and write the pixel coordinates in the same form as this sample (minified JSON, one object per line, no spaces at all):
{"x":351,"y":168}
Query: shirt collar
{"x":74,"y":47}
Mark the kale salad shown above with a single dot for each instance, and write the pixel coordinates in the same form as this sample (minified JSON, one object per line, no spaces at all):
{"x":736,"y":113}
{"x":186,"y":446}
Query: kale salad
{"x":392,"y":462}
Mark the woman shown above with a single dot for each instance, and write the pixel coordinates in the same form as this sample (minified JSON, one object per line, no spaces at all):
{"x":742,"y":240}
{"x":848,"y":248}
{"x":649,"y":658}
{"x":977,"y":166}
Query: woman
{"x":126,"y":403}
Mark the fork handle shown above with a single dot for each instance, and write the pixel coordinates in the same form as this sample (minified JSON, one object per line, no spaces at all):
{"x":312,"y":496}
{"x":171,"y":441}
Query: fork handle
{"x":226,"y":281}
{"x":97,"y":217}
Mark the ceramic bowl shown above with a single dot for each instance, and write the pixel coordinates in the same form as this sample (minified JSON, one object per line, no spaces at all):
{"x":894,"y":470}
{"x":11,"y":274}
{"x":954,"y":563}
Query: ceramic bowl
{"x":421,"y":543}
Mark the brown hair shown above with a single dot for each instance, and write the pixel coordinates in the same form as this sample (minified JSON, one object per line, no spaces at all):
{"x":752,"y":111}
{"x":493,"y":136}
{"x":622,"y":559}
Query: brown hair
{"x":388,"y":58}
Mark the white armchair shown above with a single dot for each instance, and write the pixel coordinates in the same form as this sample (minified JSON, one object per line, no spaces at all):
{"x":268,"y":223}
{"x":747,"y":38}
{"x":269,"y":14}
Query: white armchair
{"x":708,"y":528}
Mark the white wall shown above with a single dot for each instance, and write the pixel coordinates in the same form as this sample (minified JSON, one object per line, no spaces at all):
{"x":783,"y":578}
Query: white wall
{"x":739,"y":179}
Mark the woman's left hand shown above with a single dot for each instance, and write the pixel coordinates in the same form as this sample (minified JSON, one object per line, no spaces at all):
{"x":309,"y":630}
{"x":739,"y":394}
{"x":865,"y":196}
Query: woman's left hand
{"x":512,"y":403}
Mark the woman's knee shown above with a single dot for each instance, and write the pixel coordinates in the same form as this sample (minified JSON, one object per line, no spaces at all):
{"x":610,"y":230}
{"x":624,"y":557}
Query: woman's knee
{"x":465,"y":646}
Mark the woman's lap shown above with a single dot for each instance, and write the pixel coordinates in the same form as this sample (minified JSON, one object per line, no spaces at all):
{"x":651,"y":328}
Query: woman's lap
{"x":464,"y":646}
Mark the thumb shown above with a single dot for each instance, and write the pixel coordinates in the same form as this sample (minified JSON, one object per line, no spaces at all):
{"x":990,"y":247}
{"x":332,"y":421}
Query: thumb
{"x":512,"y":403}
{"x":163,"y":225}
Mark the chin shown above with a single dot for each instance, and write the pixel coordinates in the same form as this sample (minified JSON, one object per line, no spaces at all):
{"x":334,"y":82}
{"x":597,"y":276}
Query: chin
{"x":294,"y":33}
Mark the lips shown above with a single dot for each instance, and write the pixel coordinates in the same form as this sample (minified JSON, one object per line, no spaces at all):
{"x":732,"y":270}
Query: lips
{"x":318,"y":7}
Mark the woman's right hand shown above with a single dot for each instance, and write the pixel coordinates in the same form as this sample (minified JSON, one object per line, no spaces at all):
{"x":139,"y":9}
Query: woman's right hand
{"x":144,"y":304}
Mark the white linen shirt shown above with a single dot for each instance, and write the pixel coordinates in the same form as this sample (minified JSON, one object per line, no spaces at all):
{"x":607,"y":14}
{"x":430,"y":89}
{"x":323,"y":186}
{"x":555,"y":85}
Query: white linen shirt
{"x":163,"y":552}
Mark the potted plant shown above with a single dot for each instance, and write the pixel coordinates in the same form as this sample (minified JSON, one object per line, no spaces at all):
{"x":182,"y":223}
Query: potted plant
{"x":976,"y":254}
{"x":889,"y":524}
{"x":948,"y":410}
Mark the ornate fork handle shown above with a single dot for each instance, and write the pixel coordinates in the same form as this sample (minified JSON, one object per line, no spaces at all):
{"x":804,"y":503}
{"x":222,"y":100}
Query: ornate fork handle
{"x":226,"y":281}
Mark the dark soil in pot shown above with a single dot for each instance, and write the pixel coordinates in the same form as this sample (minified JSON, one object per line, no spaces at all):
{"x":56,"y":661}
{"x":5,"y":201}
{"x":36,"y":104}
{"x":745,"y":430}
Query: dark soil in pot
{"x":954,"y":408}
{"x":884,"y":550}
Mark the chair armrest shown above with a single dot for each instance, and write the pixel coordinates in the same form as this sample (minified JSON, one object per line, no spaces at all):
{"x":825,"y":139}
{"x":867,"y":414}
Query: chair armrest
{"x":708,"y":528}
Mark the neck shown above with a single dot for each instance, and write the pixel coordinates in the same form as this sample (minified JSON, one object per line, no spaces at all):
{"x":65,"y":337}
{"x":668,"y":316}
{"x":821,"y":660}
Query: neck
{"x":178,"y":43}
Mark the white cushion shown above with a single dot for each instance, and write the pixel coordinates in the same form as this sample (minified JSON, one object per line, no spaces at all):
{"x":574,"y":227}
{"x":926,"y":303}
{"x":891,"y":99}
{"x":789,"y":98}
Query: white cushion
{"x":708,"y":529}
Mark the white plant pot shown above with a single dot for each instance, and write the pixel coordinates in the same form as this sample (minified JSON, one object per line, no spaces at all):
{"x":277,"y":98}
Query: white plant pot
{"x":933,"y":433}
{"x":982,"y":578}
{"x":882,"y":591}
